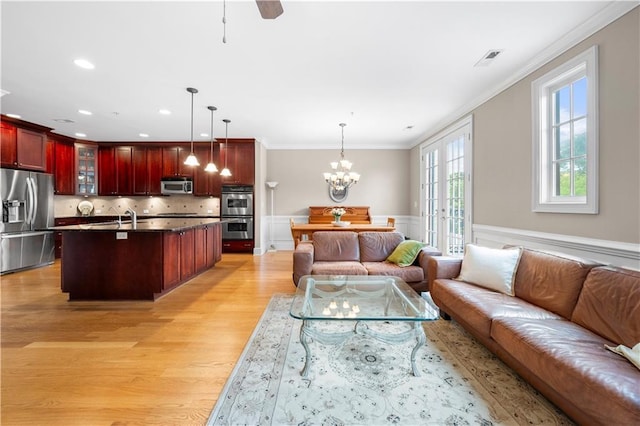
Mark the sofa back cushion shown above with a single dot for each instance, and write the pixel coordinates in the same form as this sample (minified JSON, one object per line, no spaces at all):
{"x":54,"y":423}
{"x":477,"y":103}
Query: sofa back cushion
{"x":335,"y":246}
{"x":609,"y":305}
{"x":377,"y":246}
{"x":551,"y":280}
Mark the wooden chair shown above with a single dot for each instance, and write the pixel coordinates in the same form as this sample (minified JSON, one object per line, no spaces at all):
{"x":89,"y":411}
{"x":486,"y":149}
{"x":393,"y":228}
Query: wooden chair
{"x":391,"y":221}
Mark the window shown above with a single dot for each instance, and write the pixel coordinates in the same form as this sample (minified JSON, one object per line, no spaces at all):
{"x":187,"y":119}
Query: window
{"x":565,"y":137}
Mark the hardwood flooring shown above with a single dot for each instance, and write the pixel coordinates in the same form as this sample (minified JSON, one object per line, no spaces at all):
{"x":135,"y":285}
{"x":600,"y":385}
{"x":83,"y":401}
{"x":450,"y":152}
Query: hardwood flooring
{"x":129,"y":363}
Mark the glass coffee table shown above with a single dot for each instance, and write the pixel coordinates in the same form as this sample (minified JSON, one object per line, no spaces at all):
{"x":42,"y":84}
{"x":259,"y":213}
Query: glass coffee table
{"x":360,"y":299}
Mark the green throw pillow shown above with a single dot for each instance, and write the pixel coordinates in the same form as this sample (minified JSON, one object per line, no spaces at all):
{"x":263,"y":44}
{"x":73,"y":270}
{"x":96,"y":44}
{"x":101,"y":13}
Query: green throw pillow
{"x":406,"y":252}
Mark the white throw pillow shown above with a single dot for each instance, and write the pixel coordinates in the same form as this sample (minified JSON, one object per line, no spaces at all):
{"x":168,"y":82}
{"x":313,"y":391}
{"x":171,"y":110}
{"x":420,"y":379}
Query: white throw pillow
{"x":494,"y":269}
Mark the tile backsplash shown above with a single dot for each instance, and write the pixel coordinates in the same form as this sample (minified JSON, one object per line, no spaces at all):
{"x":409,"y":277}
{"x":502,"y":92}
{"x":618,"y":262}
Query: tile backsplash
{"x":66,"y":206}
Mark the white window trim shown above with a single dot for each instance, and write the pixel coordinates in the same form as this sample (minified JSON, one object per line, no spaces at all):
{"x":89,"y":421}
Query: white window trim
{"x":541,"y":121}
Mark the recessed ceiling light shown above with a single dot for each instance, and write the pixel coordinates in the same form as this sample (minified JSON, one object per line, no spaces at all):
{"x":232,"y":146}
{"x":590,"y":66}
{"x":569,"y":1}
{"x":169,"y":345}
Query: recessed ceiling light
{"x":63,"y":120}
{"x":14,"y":115}
{"x":85,"y":112}
{"x":164,"y":112}
{"x":143,"y":135}
{"x":81,"y":135}
{"x":204,"y":135}
{"x":4,"y":92}
{"x":83,"y":63}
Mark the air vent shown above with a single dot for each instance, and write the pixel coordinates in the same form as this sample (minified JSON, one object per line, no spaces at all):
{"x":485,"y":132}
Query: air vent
{"x":488,"y":57}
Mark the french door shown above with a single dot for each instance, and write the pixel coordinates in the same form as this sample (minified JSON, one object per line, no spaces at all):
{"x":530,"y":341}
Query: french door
{"x":446,"y":183}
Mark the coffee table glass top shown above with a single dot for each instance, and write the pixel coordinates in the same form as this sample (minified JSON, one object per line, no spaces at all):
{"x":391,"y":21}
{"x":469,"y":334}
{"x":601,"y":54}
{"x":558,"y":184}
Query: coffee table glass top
{"x":359,"y":298}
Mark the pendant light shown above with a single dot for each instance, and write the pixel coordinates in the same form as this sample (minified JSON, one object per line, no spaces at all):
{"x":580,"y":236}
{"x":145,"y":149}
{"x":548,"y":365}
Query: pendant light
{"x":226,"y":172}
{"x":211,"y":167}
{"x":191,"y":159}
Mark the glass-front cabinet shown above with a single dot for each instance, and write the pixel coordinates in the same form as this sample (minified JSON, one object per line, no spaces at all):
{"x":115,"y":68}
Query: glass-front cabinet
{"x":86,"y":169}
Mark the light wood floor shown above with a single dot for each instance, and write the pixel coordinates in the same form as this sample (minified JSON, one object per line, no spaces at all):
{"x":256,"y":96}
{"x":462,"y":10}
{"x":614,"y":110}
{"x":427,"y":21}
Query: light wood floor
{"x":130,"y":363}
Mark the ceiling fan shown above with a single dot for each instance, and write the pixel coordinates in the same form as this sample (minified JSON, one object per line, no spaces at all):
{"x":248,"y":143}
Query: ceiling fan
{"x":269,"y":9}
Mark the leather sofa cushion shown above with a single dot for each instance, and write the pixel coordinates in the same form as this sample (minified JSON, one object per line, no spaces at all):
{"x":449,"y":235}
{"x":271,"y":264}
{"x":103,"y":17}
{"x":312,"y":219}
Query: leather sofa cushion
{"x":377,"y":246}
{"x":336,"y":246}
{"x":338,"y":268}
{"x":574,"y":362}
{"x":551,"y":281}
{"x":479,"y":306}
{"x":408,"y":274}
{"x":609,"y":305}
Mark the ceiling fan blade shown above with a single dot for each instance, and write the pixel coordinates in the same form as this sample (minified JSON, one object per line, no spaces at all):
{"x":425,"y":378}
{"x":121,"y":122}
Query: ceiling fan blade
{"x":270,"y":9}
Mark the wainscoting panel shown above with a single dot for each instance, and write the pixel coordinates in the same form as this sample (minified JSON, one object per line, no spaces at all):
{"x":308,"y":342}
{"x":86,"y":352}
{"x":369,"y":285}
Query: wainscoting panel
{"x":609,"y":252}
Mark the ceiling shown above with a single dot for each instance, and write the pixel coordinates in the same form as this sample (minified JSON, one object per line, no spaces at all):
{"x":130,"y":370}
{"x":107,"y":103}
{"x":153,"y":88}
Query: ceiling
{"x":395,"y":72}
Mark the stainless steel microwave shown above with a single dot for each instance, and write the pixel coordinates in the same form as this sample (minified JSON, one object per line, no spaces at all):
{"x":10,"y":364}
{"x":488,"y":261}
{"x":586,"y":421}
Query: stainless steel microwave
{"x":176,"y":185}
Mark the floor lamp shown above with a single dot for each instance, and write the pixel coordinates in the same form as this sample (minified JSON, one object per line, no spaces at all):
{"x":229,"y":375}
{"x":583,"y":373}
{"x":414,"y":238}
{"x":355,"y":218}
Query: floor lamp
{"x":272,"y":187}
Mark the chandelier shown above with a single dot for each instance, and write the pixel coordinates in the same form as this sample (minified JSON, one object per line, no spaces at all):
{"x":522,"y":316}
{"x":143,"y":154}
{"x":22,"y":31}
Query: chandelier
{"x":341,"y":177}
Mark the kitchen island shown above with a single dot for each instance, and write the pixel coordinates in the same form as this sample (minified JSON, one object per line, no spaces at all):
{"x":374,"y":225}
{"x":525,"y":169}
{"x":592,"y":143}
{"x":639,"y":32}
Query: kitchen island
{"x":123,"y":261}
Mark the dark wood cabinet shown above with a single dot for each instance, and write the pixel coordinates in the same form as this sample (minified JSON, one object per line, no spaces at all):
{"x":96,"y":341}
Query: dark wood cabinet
{"x":116,"y":170}
{"x":207,"y":183}
{"x":23,"y":148}
{"x":31,"y":149}
{"x":237,"y":246}
{"x":86,"y":169}
{"x":64,"y":175}
{"x":187,"y":248}
{"x":179,"y":262}
{"x":76,"y":220}
{"x":173,"y":161}
{"x":208,"y":247}
{"x":172,"y":259}
{"x":147,"y":170}
{"x":154,"y":169}
{"x":214,"y":244}
{"x":143,"y":266}
{"x":200,"y":249}
{"x":240,"y":159}
{"x":8,"y":147}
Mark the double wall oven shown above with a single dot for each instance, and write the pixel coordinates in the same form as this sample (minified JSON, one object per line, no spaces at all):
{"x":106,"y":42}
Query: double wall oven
{"x":237,"y":204}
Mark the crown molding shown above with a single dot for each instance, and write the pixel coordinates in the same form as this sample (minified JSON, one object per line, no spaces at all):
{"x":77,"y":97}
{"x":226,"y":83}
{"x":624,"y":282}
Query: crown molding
{"x":597,"y":22}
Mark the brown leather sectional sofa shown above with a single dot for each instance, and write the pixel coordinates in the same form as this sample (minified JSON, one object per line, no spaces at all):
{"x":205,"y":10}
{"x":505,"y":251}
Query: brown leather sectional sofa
{"x":554,"y":330}
{"x":364,"y":253}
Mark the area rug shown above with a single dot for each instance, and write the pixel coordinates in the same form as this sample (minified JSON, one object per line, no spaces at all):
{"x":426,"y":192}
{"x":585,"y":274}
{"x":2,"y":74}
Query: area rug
{"x":362,"y":381}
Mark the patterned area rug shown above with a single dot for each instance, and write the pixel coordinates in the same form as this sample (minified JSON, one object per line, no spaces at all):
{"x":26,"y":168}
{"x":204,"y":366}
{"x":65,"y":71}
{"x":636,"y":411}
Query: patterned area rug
{"x":362,"y":381}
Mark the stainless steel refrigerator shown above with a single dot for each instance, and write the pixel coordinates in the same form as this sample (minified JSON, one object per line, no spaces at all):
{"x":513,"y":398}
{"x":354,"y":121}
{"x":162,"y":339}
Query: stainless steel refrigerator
{"x":27,"y":214}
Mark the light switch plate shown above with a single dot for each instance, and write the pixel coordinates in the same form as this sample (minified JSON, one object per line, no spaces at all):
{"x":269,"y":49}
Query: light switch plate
{"x":121,"y":235}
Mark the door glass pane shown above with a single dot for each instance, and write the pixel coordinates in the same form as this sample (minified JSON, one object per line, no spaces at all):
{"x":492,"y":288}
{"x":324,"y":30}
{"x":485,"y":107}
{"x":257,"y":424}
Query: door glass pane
{"x":431,"y":197}
{"x":455,"y":196}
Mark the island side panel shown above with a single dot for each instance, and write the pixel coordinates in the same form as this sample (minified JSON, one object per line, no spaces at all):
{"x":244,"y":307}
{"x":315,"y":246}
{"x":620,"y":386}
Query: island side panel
{"x":99,"y":266}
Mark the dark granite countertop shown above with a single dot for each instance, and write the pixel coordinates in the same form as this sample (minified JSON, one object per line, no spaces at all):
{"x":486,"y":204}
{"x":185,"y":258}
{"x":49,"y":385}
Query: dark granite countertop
{"x":144,"y":225}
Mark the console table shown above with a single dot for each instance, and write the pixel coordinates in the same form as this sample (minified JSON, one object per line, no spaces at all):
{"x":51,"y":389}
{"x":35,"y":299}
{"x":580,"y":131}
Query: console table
{"x":304,"y":231}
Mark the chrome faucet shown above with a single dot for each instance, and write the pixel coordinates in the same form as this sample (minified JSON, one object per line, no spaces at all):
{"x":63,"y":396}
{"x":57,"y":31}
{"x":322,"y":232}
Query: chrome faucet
{"x":119,"y":215}
{"x":134,"y":216}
